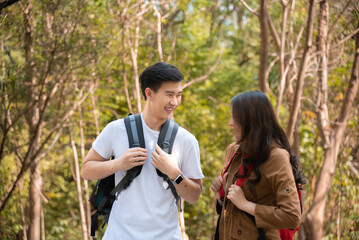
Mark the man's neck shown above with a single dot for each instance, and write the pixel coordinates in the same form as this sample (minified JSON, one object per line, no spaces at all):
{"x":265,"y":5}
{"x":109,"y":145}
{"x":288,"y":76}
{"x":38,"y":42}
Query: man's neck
{"x":152,"y":121}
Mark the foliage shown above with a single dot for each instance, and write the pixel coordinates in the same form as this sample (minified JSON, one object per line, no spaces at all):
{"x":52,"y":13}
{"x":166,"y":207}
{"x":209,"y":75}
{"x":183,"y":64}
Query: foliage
{"x":96,"y":55}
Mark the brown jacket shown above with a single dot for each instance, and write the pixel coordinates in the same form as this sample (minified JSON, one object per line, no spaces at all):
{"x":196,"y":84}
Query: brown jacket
{"x":277,"y":199}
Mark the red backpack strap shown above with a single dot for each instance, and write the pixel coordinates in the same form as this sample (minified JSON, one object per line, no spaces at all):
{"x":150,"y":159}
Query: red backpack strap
{"x":228,"y":164}
{"x":221,"y":190}
{"x":240,"y":181}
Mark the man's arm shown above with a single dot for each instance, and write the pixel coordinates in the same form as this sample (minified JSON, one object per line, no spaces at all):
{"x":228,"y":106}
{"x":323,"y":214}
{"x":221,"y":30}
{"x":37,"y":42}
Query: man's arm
{"x":189,"y":189}
{"x":96,"y":167}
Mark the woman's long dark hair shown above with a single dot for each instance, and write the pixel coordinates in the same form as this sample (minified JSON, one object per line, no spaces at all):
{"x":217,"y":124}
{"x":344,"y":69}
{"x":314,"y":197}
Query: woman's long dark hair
{"x":254,"y":113}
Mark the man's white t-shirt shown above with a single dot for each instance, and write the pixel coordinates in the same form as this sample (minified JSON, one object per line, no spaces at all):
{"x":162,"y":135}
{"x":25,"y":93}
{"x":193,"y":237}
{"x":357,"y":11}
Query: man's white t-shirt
{"x":146,"y":209}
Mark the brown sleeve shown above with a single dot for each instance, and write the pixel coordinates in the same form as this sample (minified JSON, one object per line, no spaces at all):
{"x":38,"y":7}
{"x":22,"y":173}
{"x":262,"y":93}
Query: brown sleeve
{"x":287,"y":214}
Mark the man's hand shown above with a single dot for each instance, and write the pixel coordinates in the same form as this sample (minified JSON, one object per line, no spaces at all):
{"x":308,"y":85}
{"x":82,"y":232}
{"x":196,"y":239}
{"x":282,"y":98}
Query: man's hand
{"x":96,"y":167}
{"x":131,"y":158}
{"x":166,"y":163}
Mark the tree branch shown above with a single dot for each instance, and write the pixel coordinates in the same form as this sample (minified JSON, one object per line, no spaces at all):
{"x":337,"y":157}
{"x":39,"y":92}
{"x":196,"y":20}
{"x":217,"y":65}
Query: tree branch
{"x":254,"y":12}
{"x":174,"y":8}
{"x":6,"y":3}
{"x":338,"y":16}
{"x":207,"y":74}
{"x":273,"y":31}
{"x":355,"y":171}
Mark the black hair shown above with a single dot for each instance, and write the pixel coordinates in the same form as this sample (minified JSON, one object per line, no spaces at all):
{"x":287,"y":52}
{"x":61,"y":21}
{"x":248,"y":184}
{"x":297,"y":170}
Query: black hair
{"x":259,"y":128}
{"x":153,"y":76}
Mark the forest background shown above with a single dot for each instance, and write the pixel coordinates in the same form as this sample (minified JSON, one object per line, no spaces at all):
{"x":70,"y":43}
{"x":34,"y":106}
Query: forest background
{"x":67,"y":68}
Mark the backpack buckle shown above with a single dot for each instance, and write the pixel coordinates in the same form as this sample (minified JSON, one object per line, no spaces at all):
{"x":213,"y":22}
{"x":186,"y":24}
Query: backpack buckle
{"x":166,"y":146}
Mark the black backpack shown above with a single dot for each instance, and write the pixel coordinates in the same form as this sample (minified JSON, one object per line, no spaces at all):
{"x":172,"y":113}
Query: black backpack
{"x":105,"y":192}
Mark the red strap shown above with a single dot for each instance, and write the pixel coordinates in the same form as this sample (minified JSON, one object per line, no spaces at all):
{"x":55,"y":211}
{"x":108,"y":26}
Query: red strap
{"x":229,"y":163}
{"x":239,"y":181}
{"x":287,"y":234}
{"x":221,"y":190}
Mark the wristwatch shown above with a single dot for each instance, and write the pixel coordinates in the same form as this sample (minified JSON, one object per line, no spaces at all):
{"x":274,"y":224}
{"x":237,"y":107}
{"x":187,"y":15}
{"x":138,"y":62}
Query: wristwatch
{"x":178,"y":179}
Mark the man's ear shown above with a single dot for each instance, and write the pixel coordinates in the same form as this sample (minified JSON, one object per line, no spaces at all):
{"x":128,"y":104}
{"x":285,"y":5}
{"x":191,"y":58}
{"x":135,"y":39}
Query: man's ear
{"x":148,"y":93}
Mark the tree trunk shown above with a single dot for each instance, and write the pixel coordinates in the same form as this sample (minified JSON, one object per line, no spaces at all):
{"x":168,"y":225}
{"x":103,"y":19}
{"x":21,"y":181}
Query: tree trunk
{"x":134,"y":54}
{"x":43,"y":234}
{"x":313,"y":220}
{"x":4,"y":102}
{"x":322,"y":92}
{"x":137,"y":93}
{"x":181,"y":221}
{"x":35,"y":203}
{"x":78,"y":187}
{"x":158,"y":30}
{"x":262,"y":80}
{"x":281,"y":84}
{"x":87,"y":196}
{"x":21,"y":203}
{"x":301,"y":75}
{"x":94,"y":113}
{"x":32,"y":119}
{"x":124,"y":61}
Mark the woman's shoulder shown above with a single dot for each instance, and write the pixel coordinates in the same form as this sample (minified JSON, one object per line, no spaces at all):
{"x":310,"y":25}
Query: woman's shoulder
{"x":232,"y":147}
{"x":278,"y":152}
{"x":278,"y":158}
{"x":278,"y":166}
{"x":230,"y":150}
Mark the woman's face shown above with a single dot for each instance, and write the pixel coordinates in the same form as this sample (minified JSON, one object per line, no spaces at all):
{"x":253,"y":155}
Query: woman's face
{"x":237,"y":130}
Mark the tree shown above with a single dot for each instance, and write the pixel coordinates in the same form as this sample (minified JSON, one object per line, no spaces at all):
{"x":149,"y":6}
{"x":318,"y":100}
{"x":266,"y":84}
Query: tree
{"x":302,"y":72}
{"x":332,"y":135}
{"x":47,"y":83}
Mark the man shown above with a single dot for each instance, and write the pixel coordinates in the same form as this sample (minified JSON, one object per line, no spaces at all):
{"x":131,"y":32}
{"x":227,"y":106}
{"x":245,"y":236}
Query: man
{"x":147,"y":209}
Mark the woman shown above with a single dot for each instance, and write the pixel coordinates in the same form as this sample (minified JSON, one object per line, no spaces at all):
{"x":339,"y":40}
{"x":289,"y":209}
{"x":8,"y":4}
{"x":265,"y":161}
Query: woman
{"x":259,"y":194}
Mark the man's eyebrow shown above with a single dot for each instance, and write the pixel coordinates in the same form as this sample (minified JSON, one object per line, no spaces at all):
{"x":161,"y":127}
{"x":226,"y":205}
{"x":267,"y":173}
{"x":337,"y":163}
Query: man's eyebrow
{"x":169,"y":91}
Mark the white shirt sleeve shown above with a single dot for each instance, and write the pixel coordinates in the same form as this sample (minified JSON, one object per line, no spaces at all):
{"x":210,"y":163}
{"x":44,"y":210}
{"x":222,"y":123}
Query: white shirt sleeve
{"x":191,"y":165}
{"x":104,"y":141}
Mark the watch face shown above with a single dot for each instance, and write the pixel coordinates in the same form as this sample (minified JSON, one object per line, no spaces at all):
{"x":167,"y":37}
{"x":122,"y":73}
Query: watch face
{"x":178,"y":179}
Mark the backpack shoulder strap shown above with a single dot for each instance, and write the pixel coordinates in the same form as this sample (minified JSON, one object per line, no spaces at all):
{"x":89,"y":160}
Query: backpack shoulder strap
{"x":165,"y":140}
{"x":167,"y":135}
{"x":133,"y":124}
{"x":105,"y":190}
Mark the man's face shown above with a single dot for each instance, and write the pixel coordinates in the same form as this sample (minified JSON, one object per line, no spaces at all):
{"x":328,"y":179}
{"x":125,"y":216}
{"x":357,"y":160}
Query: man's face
{"x":163,"y":102}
